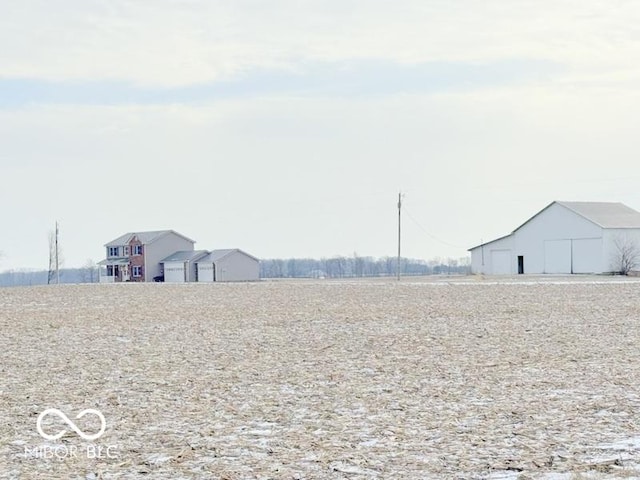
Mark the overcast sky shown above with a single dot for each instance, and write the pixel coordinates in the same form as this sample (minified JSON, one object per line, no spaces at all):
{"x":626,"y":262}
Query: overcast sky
{"x":287,"y":128}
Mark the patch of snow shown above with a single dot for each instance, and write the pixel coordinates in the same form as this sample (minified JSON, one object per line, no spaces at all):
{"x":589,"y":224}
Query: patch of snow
{"x":352,"y":469}
{"x":157,"y":459}
{"x":369,"y":443}
{"x":632,"y":443}
{"x":260,"y":433}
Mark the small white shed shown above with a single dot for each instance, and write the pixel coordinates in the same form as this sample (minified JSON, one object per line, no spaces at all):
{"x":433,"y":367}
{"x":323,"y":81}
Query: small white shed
{"x":180,"y":267}
{"x":228,"y":265}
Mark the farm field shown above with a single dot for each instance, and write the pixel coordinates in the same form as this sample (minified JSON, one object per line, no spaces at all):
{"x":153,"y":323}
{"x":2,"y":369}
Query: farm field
{"x":437,"y":378}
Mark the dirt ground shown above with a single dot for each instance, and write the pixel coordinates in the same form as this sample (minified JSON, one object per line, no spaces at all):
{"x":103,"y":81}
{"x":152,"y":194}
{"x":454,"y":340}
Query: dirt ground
{"x":423,"y":379}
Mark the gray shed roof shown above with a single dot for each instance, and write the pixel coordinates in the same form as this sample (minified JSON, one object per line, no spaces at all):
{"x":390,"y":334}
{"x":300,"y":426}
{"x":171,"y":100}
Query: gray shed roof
{"x":216,"y":255}
{"x":606,"y":214}
{"x":145,"y":237}
{"x":185,"y":256}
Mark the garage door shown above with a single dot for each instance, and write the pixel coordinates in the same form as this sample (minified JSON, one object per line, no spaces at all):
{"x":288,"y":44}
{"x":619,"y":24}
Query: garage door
{"x":557,"y":256}
{"x":206,"y":272}
{"x":174,"y":272}
{"x":501,"y":262}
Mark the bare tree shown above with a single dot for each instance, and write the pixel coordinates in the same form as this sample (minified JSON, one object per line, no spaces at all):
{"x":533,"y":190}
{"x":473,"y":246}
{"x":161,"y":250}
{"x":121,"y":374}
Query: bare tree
{"x":626,"y":255}
{"x":89,"y":272}
{"x":465,"y":265}
{"x":452,"y":264}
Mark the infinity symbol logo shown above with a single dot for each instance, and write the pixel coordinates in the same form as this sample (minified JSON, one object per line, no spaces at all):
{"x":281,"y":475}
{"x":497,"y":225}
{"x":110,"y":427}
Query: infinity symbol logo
{"x":55,"y":411}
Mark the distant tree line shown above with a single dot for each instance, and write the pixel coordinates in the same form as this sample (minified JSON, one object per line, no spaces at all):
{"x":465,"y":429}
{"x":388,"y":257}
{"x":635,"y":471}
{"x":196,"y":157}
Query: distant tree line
{"x":85,"y":274}
{"x":334,"y":267}
{"x":357,"y":266}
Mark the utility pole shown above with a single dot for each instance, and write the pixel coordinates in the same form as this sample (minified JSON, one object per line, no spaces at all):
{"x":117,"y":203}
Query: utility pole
{"x":57,"y":259}
{"x":399,"y":232}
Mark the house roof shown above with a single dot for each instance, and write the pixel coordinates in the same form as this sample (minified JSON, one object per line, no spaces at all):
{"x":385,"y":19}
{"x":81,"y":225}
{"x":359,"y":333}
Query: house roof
{"x":216,"y":255}
{"x":144,"y":237}
{"x":185,"y":256}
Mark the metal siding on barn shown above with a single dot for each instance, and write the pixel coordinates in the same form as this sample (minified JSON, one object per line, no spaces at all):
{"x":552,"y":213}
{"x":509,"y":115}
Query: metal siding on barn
{"x":587,"y":255}
{"x":501,"y":262}
{"x":557,"y":256}
{"x":482,"y":257}
{"x":612,"y":240}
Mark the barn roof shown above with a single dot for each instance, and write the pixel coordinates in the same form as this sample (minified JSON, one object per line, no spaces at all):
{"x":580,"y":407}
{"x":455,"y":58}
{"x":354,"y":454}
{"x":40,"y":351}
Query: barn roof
{"x":606,"y":214}
{"x":144,"y":237}
{"x":490,"y":241}
{"x":603,"y":214}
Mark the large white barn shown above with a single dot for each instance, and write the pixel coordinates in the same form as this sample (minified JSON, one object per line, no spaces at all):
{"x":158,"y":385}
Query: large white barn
{"x":564,"y":237}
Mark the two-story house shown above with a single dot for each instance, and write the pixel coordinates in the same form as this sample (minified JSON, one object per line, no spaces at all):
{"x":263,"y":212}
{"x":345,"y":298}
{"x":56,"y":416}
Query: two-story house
{"x":137,"y":256}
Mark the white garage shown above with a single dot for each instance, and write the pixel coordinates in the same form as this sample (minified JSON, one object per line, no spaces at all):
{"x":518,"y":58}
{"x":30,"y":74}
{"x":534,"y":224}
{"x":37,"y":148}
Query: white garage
{"x":228,"y":265}
{"x":564,"y":238}
{"x":180,"y":267}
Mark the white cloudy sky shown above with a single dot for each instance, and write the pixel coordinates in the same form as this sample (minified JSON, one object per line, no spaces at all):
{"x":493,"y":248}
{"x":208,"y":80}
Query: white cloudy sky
{"x":286,"y":128}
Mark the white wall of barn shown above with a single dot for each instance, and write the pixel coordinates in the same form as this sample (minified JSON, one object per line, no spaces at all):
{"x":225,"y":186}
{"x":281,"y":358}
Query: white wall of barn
{"x":559,"y":240}
{"x":489,"y":259}
{"x":618,"y":236}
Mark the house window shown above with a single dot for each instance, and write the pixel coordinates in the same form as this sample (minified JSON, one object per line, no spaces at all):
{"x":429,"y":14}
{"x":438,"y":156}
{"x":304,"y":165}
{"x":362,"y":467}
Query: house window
{"x":113,"y":251}
{"x":137,"y":271}
{"x":126,"y":251}
{"x":137,"y":249}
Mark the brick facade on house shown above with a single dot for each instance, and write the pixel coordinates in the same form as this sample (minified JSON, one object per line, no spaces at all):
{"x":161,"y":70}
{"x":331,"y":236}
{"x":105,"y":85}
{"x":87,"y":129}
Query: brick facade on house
{"x":136,"y":259}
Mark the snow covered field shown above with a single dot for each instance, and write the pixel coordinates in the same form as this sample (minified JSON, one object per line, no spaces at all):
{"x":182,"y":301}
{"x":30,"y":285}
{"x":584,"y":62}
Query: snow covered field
{"x":533,"y":378}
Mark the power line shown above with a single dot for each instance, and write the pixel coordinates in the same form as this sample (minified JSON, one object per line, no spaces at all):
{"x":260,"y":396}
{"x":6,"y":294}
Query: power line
{"x":430,"y":235}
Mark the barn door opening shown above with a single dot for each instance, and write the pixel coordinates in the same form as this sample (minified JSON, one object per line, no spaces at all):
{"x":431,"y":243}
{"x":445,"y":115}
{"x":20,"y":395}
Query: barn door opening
{"x":520,"y":264}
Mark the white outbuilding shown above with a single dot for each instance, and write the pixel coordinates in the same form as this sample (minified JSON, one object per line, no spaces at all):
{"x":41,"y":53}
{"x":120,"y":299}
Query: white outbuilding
{"x":564,"y":238}
{"x":228,"y":265}
{"x":180,"y":266}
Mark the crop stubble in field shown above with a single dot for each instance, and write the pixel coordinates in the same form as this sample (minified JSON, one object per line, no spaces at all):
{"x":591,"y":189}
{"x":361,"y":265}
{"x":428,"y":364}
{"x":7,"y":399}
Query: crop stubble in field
{"x":360,"y":379}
